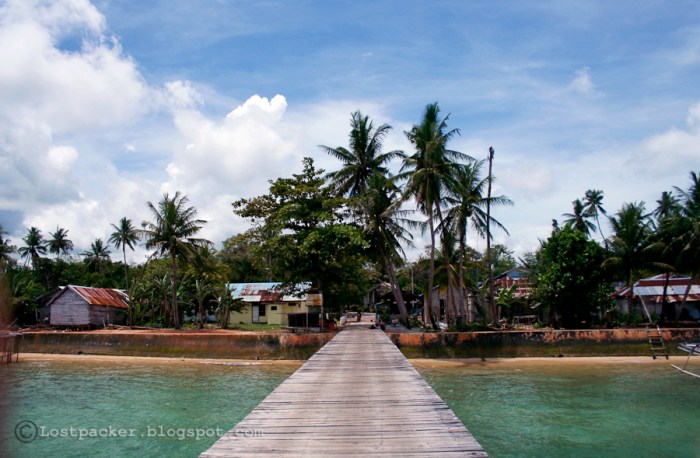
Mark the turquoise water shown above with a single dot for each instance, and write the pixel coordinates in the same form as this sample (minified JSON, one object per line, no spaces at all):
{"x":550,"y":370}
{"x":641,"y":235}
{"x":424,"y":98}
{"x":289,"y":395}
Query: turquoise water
{"x":514,"y":409}
{"x":154,"y":406}
{"x":574,"y":410}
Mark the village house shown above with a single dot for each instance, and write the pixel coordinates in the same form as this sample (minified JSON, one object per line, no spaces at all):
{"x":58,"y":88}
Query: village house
{"x":651,"y":293}
{"x":85,"y":306}
{"x":271,"y":302}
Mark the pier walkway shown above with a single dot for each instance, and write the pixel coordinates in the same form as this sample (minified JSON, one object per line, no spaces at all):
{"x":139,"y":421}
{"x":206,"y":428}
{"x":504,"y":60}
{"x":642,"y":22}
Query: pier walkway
{"x":358,"y":395}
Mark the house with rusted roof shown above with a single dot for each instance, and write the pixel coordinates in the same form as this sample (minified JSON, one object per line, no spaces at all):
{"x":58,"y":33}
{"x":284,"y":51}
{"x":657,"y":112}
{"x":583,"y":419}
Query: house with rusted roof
{"x":674,"y":297}
{"x":272,"y":302}
{"x":86,"y":306}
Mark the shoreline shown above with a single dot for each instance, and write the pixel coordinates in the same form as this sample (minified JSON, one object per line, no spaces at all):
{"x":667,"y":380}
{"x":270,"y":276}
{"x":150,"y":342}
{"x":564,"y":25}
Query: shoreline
{"x":166,"y":360}
{"x":444,"y":363}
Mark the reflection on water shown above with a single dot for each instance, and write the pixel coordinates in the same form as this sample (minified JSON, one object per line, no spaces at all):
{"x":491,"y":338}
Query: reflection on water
{"x":574,"y":410}
{"x":159,"y":409}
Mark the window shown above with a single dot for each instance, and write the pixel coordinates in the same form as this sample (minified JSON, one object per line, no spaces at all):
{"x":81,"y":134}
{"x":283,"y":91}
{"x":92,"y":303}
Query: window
{"x":273,"y":308}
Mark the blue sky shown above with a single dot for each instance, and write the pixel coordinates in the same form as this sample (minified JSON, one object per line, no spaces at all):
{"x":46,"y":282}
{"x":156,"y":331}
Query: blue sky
{"x":107,"y":105}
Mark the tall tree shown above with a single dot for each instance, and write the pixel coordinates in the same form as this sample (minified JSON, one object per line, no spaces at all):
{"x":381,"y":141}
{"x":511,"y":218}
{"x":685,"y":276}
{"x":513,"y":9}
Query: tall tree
{"x":385,"y":229}
{"x":98,"y":254}
{"x":467,"y":205}
{"x":363,"y":159}
{"x":363,"y":175}
{"x":59,"y":242}
{"x":667,"y":206}
{"x":631,"y":227}
{"x":124,"y":235}
{"x":311,"y":239}
{"x":578,"y":219}
{"x":593,"y":207}
{"x":35,"y":246}
{"x":173,"y":233}
{"x":429,"y":171}
{"x":5,"y":248}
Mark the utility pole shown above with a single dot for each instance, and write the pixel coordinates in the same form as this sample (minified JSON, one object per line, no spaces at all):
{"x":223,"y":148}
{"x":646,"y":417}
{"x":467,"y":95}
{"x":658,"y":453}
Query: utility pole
{"x":492,"y":306}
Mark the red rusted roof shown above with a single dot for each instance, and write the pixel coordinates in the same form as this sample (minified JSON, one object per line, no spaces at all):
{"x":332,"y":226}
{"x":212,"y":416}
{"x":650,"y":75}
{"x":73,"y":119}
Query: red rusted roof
{"x":653,"y":288}
{"x":107,"y":297}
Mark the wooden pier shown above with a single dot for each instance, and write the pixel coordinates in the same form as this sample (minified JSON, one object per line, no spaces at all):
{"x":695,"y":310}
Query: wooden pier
{"x":358,"y":395}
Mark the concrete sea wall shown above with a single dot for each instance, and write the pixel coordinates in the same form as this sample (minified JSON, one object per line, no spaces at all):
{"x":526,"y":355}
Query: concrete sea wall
{"x":222,"y":346}
{"x":534,"y":343}
{"x":507,"y":344}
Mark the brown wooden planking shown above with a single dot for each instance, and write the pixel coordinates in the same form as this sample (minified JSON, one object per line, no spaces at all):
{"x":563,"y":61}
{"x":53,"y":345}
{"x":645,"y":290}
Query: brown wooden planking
{"x":358,"y":395}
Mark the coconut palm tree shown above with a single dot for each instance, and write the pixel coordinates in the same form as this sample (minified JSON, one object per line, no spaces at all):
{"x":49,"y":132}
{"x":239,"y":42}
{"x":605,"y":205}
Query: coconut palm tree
{"x":365,"y":176}
{"x":428,"y":172}
{"x":35,"y":246}
{"x":172,"y":233}
{"x":98,"y":254}
{"x":682,"y":230}
{"x":467,"y":205}
{"x":363,"y":159}
{"x":667,"y":206}
{"x":5,"y":248}
{"x":593,"y":207}
{"x":385,"y":229}
{"x":632,"y":228}
{"x":124,"y":235}
{"x":59,"y":242}
{"x":578,"y":219}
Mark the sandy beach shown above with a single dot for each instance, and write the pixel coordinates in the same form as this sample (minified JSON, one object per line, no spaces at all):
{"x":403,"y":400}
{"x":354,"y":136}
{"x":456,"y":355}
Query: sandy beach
{"x":150,"y":360}
{"x":419,"y":363}
{"x":545,"y":361}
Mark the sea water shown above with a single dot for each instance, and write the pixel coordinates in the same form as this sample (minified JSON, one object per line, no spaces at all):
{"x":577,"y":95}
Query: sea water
{"x":514,"y":409}
{"x":124,"y":409}
{"x":603,"y":408}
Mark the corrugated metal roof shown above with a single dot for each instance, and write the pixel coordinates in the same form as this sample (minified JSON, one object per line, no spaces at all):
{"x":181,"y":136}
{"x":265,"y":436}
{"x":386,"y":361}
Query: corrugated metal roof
{"x":107,"y":297}
{"x":267,"y":292}
{"x":652,"y":289}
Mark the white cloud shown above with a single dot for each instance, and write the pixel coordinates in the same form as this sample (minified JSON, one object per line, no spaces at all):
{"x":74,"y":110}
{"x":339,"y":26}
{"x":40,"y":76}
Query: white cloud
{"x":582,"y":82}
{"x":671,"y":150}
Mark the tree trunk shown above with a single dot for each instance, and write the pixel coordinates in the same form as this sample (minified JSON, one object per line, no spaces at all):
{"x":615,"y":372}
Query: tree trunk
{"x":174,"y":307}
{"x":396,"y":289}
{"x":491,"y":304}
{"x":428,"y":303}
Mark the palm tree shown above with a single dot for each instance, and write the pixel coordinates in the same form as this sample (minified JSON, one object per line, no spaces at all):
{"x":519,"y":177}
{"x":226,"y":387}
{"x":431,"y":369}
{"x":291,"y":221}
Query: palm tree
{"x":385,"y":231}
{"x":429,"y":171}
{"x":364,"y":175}
{"x":124,"y":235}
{"x":578,"y":220}
{"x":34,"y":247}
{"x":631,"y":230}
{"x":593,"y":207}
{"x":5,"y":248}
{"x":210,"y":271}
{"x":667,"y":206}
{"x":172,"y":233}
{"x":682,"y":228}
{"x":59,"y":242}
{"x":98,"y":253}
{"x":363,"y":159}
{"x":467,"y":205}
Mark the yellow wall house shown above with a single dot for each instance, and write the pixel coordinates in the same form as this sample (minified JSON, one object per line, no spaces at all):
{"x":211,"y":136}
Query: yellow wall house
{"x":271,"y":302}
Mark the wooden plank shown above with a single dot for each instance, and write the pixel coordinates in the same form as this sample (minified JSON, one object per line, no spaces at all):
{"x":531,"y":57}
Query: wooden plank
{"x":358,"y":395}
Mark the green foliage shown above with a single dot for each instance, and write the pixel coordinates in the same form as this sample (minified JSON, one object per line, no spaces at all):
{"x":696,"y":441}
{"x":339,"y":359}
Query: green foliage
{"x":306,"y":237}
{"x":570,"y":281}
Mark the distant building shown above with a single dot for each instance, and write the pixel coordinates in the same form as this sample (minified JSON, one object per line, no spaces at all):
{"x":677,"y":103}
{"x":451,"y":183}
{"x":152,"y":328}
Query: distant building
{"x":85,"y":306}
{"x":649,"y":293}
{"x":271,"y":302}
{"x":518,"y":277}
